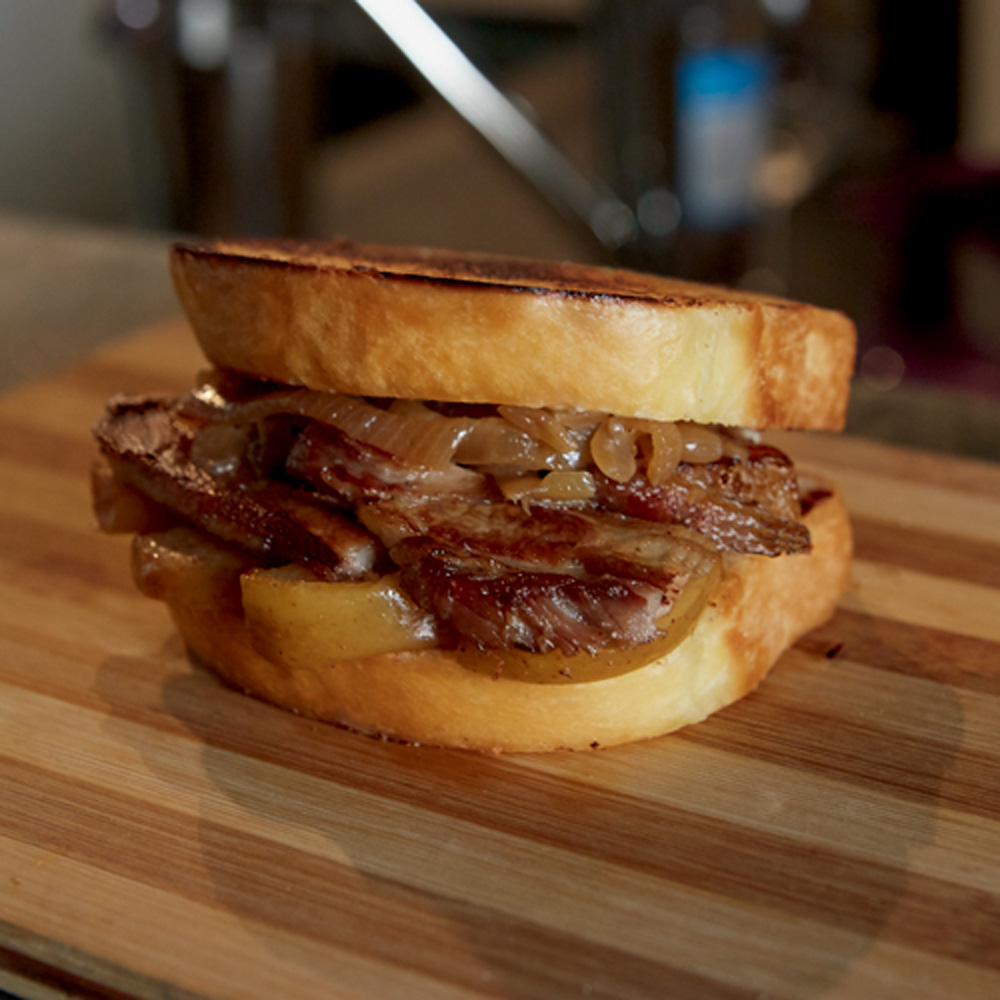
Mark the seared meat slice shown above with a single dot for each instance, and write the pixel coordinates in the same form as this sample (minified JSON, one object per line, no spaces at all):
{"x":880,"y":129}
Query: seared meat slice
{"x":547,"y":539}
{"x":567,"y":580}
{"x":764,"y":478}
{"x":492,"y":607}
{"x":743,"y":506}
{"x":149,"y":447}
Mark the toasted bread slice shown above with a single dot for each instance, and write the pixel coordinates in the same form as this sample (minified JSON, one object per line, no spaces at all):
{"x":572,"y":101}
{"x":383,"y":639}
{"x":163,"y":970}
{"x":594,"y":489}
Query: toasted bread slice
{"x":431,"y":324}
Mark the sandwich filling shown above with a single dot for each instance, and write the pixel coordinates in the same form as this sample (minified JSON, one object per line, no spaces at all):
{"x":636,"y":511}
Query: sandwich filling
{"x":511,"y":529}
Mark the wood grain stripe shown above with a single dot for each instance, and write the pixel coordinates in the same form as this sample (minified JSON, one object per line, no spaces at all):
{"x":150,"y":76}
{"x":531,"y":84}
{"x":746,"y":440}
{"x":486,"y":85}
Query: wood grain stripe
{"x":975,"y":561}
{"x":923,"y":714}
{"x":566,"y":808}
{"x":32,"y":407}
{"x":922,"y":506}
{"x":870,"y":731}
{"x":24,"y":444}
{"x":910,"y":707}
{"x":60,"y":558}
{"x":86,"y":615}
{"x":813,"y":741}
{"x":323,"y":899}
{"x":789,"y":722}
{"x":826,"y":811}
{"x":918,"y":598}
{"x":45,"y":495}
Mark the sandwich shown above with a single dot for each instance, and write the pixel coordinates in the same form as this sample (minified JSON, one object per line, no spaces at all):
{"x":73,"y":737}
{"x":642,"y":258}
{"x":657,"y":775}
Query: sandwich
{"x":480,"y":501}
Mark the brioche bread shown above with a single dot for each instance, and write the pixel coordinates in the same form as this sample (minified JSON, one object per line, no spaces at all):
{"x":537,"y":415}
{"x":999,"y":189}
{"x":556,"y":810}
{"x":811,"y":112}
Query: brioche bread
{"x":761,"y":607}
{"x":352,"y":318}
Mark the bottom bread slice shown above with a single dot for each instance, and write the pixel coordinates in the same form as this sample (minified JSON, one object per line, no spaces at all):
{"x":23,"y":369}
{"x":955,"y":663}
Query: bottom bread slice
{"x":762,"y":606}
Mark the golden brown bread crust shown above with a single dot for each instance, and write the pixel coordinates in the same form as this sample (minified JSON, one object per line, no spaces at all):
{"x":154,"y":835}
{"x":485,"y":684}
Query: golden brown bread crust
{"x":761,"y":608}
{"x":430,"y":324}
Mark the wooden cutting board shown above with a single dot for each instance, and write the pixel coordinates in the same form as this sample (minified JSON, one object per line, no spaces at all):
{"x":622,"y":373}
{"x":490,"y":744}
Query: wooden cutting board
{"x":836,"y":834}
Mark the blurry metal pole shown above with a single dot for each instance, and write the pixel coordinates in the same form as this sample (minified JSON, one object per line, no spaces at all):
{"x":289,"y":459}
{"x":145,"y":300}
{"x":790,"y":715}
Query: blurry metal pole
{"x":511,"y":133}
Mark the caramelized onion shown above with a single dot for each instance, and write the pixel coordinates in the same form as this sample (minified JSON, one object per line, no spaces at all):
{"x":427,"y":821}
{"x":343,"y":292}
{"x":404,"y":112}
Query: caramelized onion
{"x":425,"y":438}
{"x":612,"y":447}
{"x":542,"y":424}
{"x":617,"y":440}
{"x":736,"y":442}
{"x":701,"y":444}
{"x":665,"y":450}
{"x":494,"y":441}
{"x":412,"y":433}
{"x":554,"y":486}
{"x":516,"y":439}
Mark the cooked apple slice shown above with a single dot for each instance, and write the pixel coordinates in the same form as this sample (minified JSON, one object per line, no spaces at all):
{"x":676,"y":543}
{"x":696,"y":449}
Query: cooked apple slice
{"x":302,"y":622}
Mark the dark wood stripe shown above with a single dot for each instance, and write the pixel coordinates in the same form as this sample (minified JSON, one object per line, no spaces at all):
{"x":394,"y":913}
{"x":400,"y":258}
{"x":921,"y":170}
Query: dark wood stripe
{"x":923,"y":769}
{"x":928,"y":770}
{"x":681,"y":846}
{"x":938,"y":554}
{"x":958,"y":661}
{"x":81,"y":976}
{"x":132,"y":688}
{"x":330,"y":902}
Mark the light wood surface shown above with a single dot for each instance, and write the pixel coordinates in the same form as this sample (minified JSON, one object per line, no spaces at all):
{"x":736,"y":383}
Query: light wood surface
{"x":835,"y":835}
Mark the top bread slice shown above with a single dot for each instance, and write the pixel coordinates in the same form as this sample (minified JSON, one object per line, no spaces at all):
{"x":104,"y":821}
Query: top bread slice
{"x":432,"y":324}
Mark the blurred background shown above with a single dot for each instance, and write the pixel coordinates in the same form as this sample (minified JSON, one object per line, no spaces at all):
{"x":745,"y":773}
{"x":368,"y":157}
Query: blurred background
{"x":846,"y":152}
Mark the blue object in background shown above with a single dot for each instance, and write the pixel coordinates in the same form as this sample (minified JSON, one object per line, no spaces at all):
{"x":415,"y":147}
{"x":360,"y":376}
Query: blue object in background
{"x":722,"y":118}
